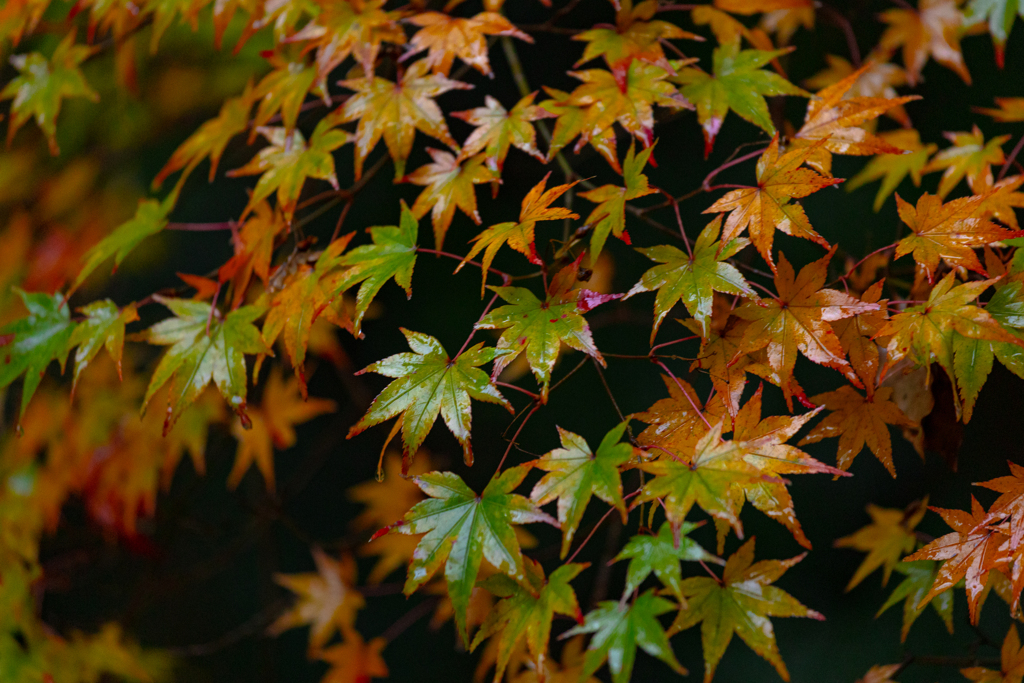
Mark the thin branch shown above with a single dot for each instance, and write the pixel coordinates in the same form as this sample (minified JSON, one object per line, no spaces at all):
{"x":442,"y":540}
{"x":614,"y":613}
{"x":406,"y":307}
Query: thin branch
{"x":1010,"y":159}
{"x":515,"y":436}
{"x":341,"y":219}
{"x":409,"y":618}
{"x":200,"y":227}
{"x":691,"y":399}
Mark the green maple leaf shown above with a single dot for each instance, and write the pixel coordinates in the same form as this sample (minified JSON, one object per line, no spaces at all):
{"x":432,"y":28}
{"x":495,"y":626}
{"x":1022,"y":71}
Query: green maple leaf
{"x":920,"y":576}
{"x":541,"y":327}
{"x":285,"y":165}
{"x":575,"y":473}
{"x":740,"y":604}
{"x":1000,"y":15}
{"x":150,"y":218}
{"x":973,"y":358}
{"x":945,"y":325}
{"x":103,"y":326}
{"x":662,"y":554}
{"x":392,"y":255}
{"x":711,"y":478}
{"x":618,"y":628}
{"x":29,"y":345}
{"x":43,"y":84}
{"x":428,"y":383}
{"x":693,"y":279}
{"x":462,"y":529}
{"x":610,"y":213}
{"x":737,"y":83}
{"x":527,"y":612}
{"x":205,"y":347}
{"x":284,"y":91}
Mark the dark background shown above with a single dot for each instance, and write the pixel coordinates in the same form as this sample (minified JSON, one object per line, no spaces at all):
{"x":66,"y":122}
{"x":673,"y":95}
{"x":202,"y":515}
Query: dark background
{"x":207,"y":593}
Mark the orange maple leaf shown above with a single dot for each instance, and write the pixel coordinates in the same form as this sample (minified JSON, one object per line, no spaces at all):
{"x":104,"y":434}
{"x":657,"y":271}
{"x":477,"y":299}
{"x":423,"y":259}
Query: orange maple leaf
{"x":932,"y":29}
{"x":835,"y":119}
{"x":762,"y":209}
{"x":447,"y":37}
{"x":448,"y":184}
{"x":947,"y":232}
{"x":798,"y":320}
{"x":273,"y":426}
{"x":975,"y":548}
{"x":519,"y":235}
{"x":327,"y":599}
{"x":858,"y":421}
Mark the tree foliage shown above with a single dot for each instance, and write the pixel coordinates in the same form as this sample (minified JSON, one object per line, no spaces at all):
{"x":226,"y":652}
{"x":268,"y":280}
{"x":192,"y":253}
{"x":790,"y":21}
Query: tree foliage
{"x":296,"y":251}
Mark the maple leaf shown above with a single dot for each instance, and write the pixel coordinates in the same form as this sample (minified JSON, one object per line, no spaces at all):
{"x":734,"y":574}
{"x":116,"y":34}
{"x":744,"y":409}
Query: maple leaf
{"x":924,"y":332}
{"x":712,"y":477}
{"x":676,"y":422}
{"x":273,"y":426}
{"x":572,"y":121}
{"x":893,"y":168}
{"x":288,"y":161}
{"x":999,"y":16}
{"x":920,"y":576}
{"x":973,"y":357}
{"x":428,"y":383}
{"x":19,"y":17}
{"x":1011,"y":658}
{"x":835,"y":120}
{"x":42,"y":86}
{"x":766,"y":207}
{"x":737,"y":82}
{"x":634,"y":36}
{"x":328,"y":600}
{"x":661,"y":555}
{"x":354,"y":28}
{"x":889,"y":536}
{"x":575,"y":473}
{"x":610,"y":214}
{"x":103,"y":326}
{"x":519,"y":235}
{"x":1008,"y":110}
{"x":858,"y":421}
{"x":354,"y":660}
{"x":211,"y":138}
{"x":693,"y":278}
{"x":975,"y":547}
{"x":619,"y":628}
{"x":525,"y":613}
{"x":762,"y":443}
{"x":448,"y":37}
{"x":881,"y":674}
{"x":740,"y":604}
{"x":396,"y":111}
{"x":1001,"y":198}
{"x":498,"y":129}
{"x":540,"y":327}
{"x":857,"y":336}
{"x":449,"y":184}
{"x":930,"y":30}
{"x":878,"y":80}
{"x":629,"y":102}
{"x":150,"y":218}
{"x":798,"y":321}
{"x":721,"y":359}
{"x":1011,"y":502}
{"x":205,"y":346}
{"x":283,"y":92}
{"x":969,"y":156}
{"x":386,"y":502}
{"x":29,"y":345}
{"x":463,"y":528}
{"x":391,"y":256}
{"x":305,"y":295}
{"x":254,"y":248}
